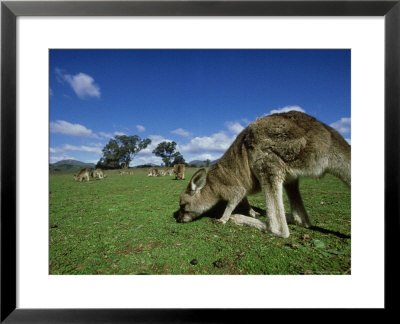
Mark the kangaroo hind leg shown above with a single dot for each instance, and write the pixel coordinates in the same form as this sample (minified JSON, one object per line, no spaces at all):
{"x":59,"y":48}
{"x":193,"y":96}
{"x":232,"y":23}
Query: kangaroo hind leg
{"x":298,"y":212}
{"x":276,"y":222}
{"x":340,"y":164}
{"x":270,"y":172}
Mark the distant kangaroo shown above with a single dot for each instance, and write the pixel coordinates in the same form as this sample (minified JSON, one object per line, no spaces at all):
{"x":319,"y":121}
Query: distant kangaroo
{"x":272,"y":153}
{"x":179,"y":170}
{"x":84,"y":173}
{"x":98,"y":173}
{"x":153,"y":173}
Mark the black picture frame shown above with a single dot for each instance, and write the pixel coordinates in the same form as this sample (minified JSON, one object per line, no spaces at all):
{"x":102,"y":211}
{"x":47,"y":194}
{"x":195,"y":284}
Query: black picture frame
{"x":10,"y":10}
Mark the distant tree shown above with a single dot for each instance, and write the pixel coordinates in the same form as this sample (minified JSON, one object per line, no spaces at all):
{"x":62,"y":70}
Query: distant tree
{"x":166,"y":150}
{"x":144,"y":166}
{"x":178,"y":159}
{"x":207,"y":163}
{"x":121,"y":150}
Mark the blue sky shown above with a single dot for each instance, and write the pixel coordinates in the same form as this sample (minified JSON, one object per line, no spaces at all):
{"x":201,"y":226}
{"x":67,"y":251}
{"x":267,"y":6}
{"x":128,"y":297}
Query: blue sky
{"x":201,"y":99}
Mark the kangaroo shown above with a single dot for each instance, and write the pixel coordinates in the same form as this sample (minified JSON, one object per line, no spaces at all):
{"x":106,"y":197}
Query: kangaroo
{"x":154,"y":173}
{"x":179,"y":170}
{"x":272,"y":153}
{"x":99,"y":173}
{"x":84,"y":173}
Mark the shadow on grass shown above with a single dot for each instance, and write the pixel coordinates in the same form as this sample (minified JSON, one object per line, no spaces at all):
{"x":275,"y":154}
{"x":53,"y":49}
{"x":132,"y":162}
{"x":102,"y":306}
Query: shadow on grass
{"x":326,"y":231}
{"x":217,"y":211}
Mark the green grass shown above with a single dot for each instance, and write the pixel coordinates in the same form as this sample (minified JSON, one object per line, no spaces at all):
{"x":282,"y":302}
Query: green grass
{"x":125,"y":225}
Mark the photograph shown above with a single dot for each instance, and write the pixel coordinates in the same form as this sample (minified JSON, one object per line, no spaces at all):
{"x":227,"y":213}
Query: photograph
{"x":160,"y":160}
{"x":199,"y":161}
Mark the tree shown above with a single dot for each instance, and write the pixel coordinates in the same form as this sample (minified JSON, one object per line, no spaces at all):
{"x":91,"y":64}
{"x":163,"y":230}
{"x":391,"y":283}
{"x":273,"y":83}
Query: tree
{"x":166,"y":150}
{"x":178,"y":159}
{"x":121,"y":150}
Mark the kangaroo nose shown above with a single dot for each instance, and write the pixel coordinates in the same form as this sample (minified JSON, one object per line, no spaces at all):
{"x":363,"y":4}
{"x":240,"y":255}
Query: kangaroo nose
{"x":181,"y":217}
{"x":178,"y":216}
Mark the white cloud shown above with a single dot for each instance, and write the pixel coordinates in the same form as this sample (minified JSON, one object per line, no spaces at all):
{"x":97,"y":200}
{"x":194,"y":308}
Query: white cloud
{"x":234,"y":127}
{"x":98,"y":144}
{"x":211,"y":147}
{"x":82,"y":148}
{"x":140,"y":128}
{"x":119,"y":133}
{"x":157,"y":139}
{"x":204,"y":157}
{"x":59,"y":75}
{"x":110,"y":135}
{"x":63,"y":152}
{"x":82,"y":84}
{"x":181,"y":132}
{"x":286,"y":109}
{"x":218,"y":142}
{"x":343,"y":125}
{"x":66,"y":128}
{"x":105,"y":135}
{"x":215,"y":143}
{"x":199,"y":148}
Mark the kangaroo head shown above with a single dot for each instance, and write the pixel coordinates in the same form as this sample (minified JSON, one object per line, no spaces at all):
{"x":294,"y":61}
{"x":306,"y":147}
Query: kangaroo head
{"x":192,"y":203}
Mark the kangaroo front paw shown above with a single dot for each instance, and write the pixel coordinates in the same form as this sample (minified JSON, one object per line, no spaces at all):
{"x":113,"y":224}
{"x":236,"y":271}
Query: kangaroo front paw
{"x":253,"y":213}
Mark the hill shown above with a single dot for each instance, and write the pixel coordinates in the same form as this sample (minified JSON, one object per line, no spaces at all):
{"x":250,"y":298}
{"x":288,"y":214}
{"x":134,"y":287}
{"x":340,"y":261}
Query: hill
{"x":69,"y":166}
{"x":199,"y":163}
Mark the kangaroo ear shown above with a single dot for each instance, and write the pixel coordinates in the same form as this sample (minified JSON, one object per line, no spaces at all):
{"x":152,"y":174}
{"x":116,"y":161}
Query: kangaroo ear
{"x":198,"y":180}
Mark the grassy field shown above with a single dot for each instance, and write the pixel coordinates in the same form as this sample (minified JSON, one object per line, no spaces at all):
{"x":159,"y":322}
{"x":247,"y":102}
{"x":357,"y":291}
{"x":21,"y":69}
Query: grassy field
{"x":125,"y":225}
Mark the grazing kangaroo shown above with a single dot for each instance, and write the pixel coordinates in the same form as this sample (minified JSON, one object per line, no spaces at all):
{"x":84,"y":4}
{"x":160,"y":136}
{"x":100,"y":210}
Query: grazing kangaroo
{"x":84,"y":173}
{"x":153,"y":173}
{"x":98,"y":173}
{"x":179,"y":170}
{"x":272,"y":153}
